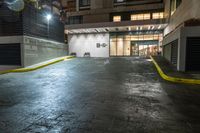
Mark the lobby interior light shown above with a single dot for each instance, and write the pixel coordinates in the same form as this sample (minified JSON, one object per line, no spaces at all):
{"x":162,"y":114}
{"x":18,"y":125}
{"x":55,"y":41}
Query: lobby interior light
{"x":159,"y":26}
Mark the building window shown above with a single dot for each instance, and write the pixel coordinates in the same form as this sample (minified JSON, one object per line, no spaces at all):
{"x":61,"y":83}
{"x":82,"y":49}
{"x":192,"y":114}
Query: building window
{"x":116,"y":18}
{"x":75,"y":20}
{"x":174,"y":5}
{"x":140,"y":16}
{"x":158,"y":15}
{"x":84,"y":3}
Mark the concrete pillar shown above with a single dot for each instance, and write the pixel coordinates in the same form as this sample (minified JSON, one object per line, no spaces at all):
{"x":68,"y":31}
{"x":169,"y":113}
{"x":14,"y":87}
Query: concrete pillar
{"x":77,"y":5}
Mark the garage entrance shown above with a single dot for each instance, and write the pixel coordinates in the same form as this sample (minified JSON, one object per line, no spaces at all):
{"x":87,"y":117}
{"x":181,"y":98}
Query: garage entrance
{"x":193,"y":54}
{"x":10,"y":54}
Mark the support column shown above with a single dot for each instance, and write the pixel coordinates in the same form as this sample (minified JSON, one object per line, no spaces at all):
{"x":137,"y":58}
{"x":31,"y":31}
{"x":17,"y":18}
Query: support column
{"x":77,"y":5}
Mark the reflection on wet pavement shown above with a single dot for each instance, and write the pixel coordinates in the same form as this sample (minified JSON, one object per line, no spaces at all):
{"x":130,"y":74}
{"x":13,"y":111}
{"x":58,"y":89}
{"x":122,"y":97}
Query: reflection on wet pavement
{"x":97,"y":95}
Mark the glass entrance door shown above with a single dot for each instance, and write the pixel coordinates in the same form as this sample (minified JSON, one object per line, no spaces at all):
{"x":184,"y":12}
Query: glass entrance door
{"x":135,"y":49}
{"x":120,"y":47}
{"x":134,"y":45}
{"x":143,"y":50}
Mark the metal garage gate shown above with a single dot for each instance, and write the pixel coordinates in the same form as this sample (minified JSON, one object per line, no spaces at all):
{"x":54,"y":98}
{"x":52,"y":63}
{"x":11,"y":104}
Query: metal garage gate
{"x":193,"y":54}
{"x":171,"y":52}
{"x":174,"y":52}
{"x":10,"y":54}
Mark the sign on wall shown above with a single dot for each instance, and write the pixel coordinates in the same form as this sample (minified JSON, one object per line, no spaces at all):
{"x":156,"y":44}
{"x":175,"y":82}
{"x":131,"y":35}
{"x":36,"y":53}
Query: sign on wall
{"x":99,"y":45}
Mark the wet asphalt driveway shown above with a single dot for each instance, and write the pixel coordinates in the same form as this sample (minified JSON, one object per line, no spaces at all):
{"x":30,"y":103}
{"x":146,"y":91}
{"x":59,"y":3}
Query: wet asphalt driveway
{"x":115,"y":95}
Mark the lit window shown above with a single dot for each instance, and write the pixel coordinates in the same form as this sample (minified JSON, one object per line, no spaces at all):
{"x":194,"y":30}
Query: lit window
{"x":116,"y":18}
{"x":147,"y":16}
{"x":158,"y":15}
{"x":140,"y":16}
{"x":134,"y":17}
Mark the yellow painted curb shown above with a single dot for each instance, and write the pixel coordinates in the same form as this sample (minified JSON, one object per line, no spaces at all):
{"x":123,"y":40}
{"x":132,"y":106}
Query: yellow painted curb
{"x":37,"y":67}
{"x":173,"y":79}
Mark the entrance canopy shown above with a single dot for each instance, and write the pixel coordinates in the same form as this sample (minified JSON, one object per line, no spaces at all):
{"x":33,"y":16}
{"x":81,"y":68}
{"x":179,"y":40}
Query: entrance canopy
{"x":134,"y":29}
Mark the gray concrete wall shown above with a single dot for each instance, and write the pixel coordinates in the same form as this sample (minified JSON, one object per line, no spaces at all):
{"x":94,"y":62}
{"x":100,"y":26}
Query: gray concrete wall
{"x":181,"y":33}
{"x":187,"y":10}
{"x":37,"y":50}
{"x":176,"y":34}
{"x":167,"y":52}
{"x":11,"y":39}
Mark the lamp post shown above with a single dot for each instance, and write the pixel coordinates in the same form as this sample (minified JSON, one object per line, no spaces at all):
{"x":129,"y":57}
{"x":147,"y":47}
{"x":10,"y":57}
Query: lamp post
{"x":48,"y":17}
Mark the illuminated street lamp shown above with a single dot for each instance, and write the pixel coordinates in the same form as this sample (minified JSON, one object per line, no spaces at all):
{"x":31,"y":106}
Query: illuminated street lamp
{"x":48,"y":17}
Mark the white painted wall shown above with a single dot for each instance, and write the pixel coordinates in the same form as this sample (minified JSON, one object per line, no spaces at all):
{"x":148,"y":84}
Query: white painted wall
{"x":82,"y":43}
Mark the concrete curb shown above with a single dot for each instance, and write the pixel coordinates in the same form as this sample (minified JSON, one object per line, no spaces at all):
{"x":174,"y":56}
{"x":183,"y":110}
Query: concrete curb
{"x":174,"y":79}
{"x":37,"y":67}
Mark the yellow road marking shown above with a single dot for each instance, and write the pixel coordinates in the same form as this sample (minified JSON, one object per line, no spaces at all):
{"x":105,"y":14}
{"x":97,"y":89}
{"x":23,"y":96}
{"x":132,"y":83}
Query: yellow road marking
{"x":37,"y":67}
{"x":174,"y":79}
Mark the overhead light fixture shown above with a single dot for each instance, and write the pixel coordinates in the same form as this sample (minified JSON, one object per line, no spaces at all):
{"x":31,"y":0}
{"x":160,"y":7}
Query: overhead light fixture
{"x":149,"y":27}
{"x":152,"y":27}
{"x":137,"y":28}
{"x":96,"y":30}
{"x":159,"y":26}
{"x":129,"y":28}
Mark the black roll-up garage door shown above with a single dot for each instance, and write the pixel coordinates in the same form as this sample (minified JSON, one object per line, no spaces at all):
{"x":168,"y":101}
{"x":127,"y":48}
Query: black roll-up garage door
{"x":10,"y":54}
{"x":193,"y":54}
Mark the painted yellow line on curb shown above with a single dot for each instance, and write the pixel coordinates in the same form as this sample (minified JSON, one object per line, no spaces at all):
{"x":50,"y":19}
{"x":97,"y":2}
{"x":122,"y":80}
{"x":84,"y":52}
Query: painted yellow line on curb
{"x":20,"y":70}
{"x":174,"y":79}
